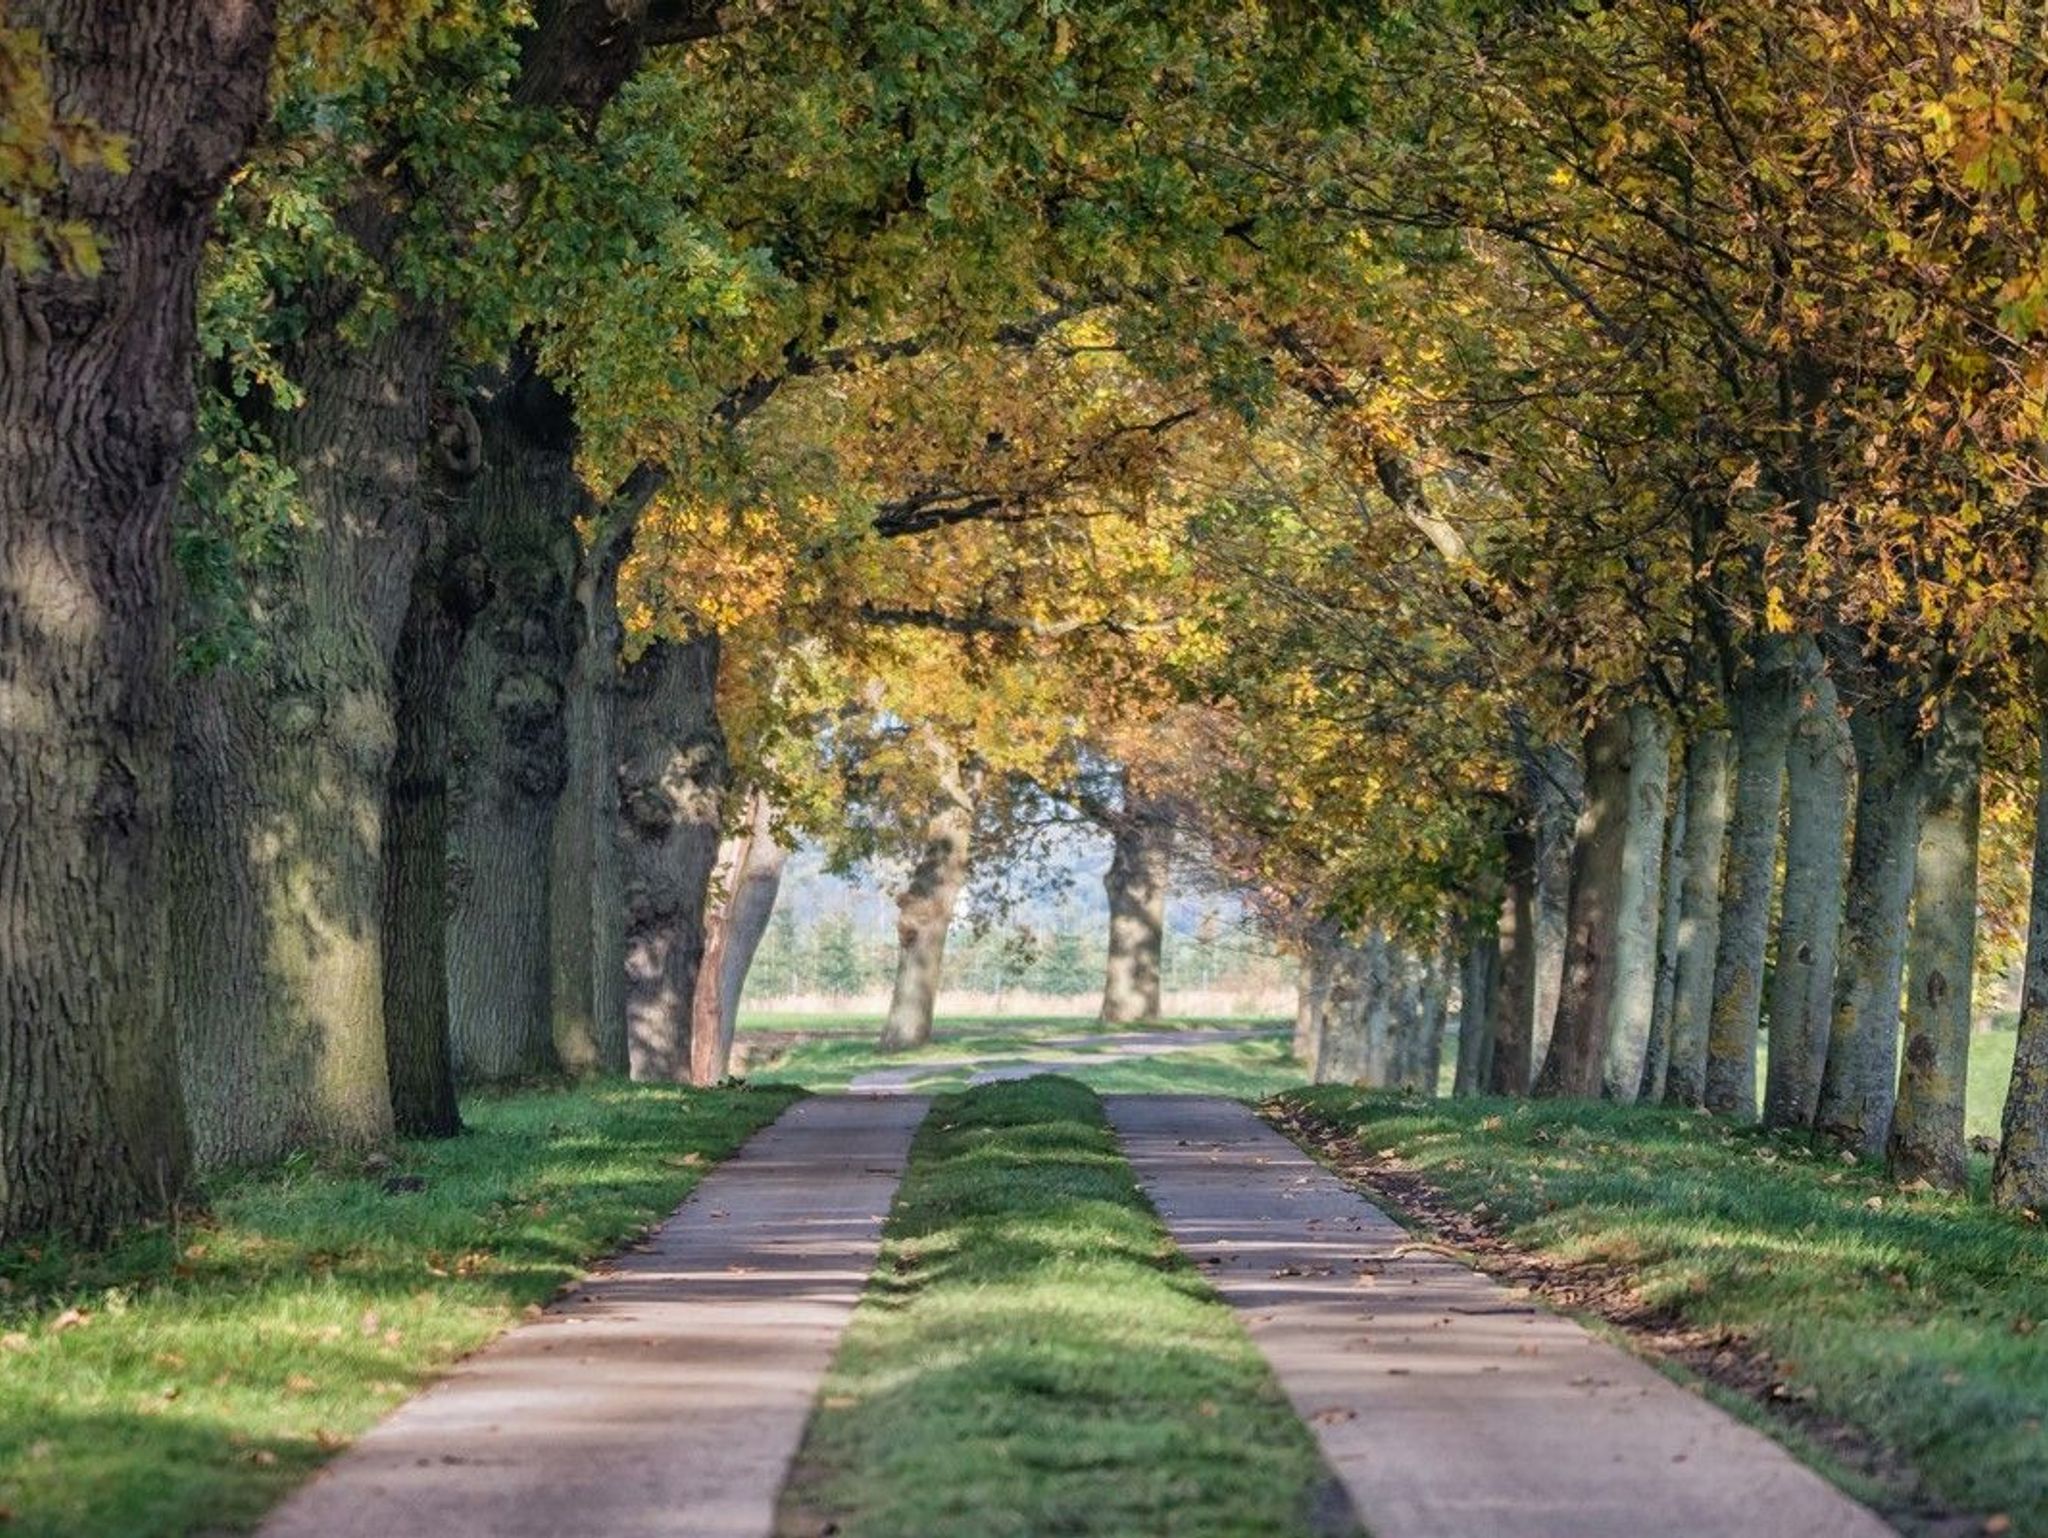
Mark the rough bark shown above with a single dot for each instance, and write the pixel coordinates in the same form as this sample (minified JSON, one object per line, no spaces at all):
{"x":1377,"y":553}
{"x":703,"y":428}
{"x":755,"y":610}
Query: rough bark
{"x":1819,"y":765}
{"x":1357,"y":1012}
{"x":586,"y":914}
{"x":1577,"y":1049}
{"x":1708,"y":784}
{"x":753,"y":905}
{"x":1139,"y":868}
{"x":509,"y":757}
{"x":1763,"y":701}
{"x":672,"y":777}
{"x":1633,"y":1004}
{"x":1858,"y":1083}
{"x":418,"y":1055}
{"x":1657,"y":1053}
{"x":96,"y":411}
{"x":283,"y":773}
{"x":924,"y":911}
{"x":1514,"y":1000}
{"x":2019,"y":1175}
{"x":1926,"y":1139}
{"x":1312,"y":1005}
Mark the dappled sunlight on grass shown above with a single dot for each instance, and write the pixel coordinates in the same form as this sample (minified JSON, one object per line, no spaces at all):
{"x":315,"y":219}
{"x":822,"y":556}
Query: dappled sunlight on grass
{"x":1920,"y":1318}
{"x":1035,"y":1357}
{"x":182,"y":1381}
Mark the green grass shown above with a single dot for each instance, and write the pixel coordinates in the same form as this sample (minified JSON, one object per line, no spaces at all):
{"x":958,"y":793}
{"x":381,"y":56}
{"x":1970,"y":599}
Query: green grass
{"x":181,"y":1382}
{"x":1035,"y":1357}
{"x":1910,"y":1316}
{"x":1248,"y":1069}
{"x":1990,"y":1076}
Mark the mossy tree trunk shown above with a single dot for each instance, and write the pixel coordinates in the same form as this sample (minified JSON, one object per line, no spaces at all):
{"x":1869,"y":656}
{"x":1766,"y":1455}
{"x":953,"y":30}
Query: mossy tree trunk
{"x":1819,"y":766}
{"x":1858,"y":1083}
{"x":96,"y":415}
{"x":2019,"y":1176}
{"x":283,"y":777}
{"x":1926,"y":1140}
{"x":1577,"y":1050}
{"x":673,"y":773}
{"x":1763,"y":701}
{"x":1632,"y":1009}
{"x":1710,"y":760}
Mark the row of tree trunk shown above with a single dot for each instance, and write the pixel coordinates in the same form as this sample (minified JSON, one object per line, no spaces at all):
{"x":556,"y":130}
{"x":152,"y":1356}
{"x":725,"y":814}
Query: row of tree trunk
{"x":1810,"y":865}
{"x":1372,"y":1010}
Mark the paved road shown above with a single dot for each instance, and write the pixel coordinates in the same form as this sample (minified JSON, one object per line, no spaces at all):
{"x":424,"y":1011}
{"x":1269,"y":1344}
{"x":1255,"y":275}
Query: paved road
{"x":668,"y":1397}
{"x":1449,"y":1406}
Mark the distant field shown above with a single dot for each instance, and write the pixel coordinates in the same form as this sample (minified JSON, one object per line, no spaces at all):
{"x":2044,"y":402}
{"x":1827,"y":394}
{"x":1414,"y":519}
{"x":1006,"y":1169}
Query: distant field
{"x":842,"y":1048}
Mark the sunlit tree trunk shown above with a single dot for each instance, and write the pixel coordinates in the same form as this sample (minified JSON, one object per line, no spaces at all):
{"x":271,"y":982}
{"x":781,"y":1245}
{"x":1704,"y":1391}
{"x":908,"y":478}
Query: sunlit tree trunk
{"x":508,"y":743}
{"x":1426,"y":1071}
{"x":1634,"y":979}
{"x":1514,"y":1000}
{"x":1708,"y":784}
{"x":283,"y":778}
{"x":753,"y":906}
{"x":924,"y":911}
{"x":1559,"y":790}
{"x":1763,"y":701}
{"x":1139,"y":869}
{"x":1819,"y":765}
{"x":1858,"y":1084}
{"x":1926,"y":1140}
{"x":1312,"y":1004}
{"x":1578,"y":1042}
{"x":673,"y":771}
{"x":2019,"y":1176}
{"x":1657,"y":1053}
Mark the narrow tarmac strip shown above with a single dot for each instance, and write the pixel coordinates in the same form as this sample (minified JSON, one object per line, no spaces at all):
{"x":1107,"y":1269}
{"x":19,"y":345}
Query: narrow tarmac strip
{"x":1449,"y":1405}
{"x":668,"y":1394}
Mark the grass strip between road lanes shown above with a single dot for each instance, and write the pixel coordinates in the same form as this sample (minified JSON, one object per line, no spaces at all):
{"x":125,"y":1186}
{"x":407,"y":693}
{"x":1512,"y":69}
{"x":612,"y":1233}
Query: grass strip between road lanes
{"x":183,"y":1380}
{"x":1035,"y":1356}
{"x":1883,"y":1332}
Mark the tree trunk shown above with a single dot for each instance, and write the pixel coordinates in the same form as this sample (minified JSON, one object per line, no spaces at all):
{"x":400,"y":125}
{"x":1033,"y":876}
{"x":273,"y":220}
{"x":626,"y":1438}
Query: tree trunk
{"x":1764,"y":701}
{"x":1818,"y":768}
{"x":1514,"y":1000}
{"x":1312,"y":1005}
{"x":1478,"y":979}
{"x":283,"y":775}
{"x":1137,"y":883}
{"x":1858,"y":1083}
{"x":1559,"y":791}
{"x":2019,"y":1176}
{"x":924,"y":912}
{"x":1357,"y":1015}
{"x":673,"y":771}
{"x":1634,"y":1003}
{"x":418,"y":1054}
{"x":1926,"y":1141}
{"x":734,"y":922}
{"x":1426,"y":1072}
{"x":753,"y":908}
{"x":96,"y":411}
{"x":509,"y":758}
{"x":1657,"y":1054}
{"x":1578,"y":1042}
{"x":586,"y":912}
{"x":1708,"y":783}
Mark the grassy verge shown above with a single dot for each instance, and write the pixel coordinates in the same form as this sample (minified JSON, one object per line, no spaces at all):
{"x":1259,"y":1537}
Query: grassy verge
{"x":1035,"y":1357}
{"x":182,"y":1381}
{"x":1203,"y":1066}
{"x":1907,"y":1320}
